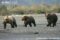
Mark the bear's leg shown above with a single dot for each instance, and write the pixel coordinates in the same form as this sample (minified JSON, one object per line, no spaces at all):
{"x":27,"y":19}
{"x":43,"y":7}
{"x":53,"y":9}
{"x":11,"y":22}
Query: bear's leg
{"x":25,"y":24}
{"x":34,"y":23}
{"x":49,"y":24}
{"x":15,"y":24}
{"x":30,"y":24}
{"x":12,"y":25}
{"x":54,"y":24}
{"x":4,"y":25}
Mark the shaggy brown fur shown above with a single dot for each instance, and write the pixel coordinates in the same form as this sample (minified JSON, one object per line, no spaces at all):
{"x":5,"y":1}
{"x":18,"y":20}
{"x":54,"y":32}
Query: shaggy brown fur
{"x":28,"y":20}
{"x":52,"y":19}
{"x":11,"y":20}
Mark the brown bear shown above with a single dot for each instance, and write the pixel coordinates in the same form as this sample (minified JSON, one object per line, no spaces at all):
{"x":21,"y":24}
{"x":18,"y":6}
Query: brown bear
{"x":28,"y":20}
{"x":11,"y":20}
{"x":51,"y":19}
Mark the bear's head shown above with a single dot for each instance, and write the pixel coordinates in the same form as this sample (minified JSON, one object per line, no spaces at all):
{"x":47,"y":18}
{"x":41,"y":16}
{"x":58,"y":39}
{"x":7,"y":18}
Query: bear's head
{"x":24,"y":18}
